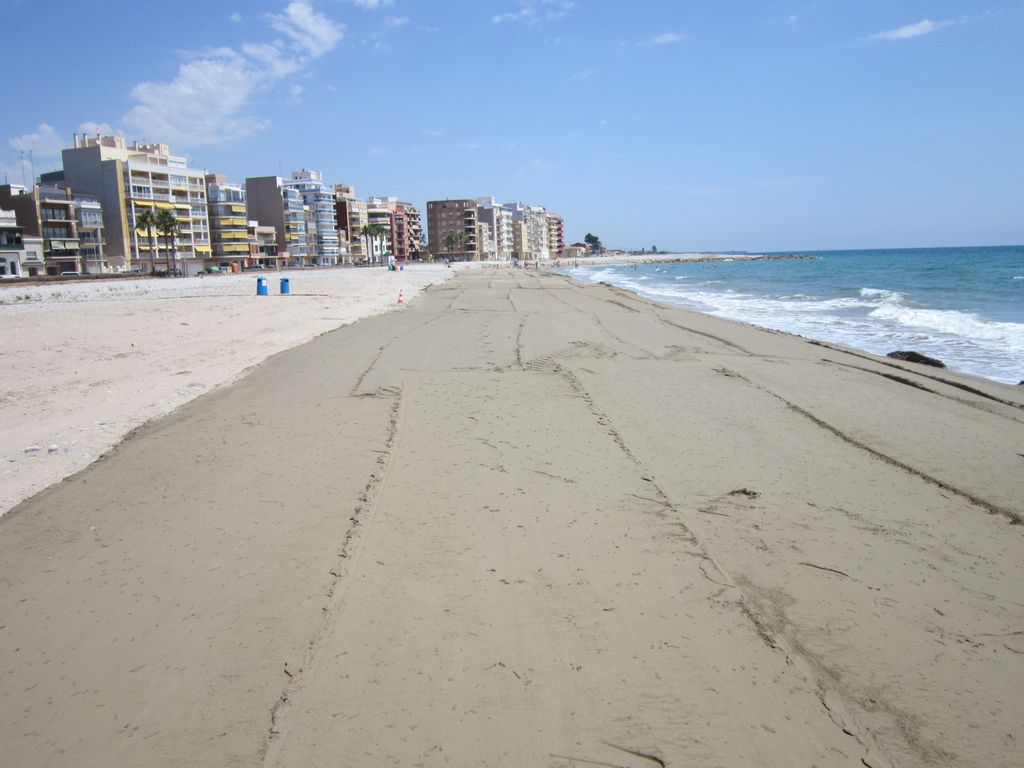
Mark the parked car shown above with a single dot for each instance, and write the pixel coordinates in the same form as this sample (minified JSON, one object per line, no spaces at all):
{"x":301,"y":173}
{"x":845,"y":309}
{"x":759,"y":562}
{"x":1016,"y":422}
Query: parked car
{"x":70,"y":274}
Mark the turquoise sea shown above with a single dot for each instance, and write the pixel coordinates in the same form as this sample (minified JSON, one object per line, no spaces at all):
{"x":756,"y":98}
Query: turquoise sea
{"x":964,"y":306}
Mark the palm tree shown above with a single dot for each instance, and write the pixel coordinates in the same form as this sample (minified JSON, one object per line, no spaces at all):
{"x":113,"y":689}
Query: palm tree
{"x":371,"y":232}
{"x":453,"y":239}
{"x":147,"y":219}
{"x":169,"y":227}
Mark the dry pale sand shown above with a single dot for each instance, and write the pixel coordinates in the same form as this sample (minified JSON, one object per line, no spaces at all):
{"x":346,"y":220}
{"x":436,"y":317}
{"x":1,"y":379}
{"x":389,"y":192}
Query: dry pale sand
{"x":526,"y":522}
{"x":85,"y":363}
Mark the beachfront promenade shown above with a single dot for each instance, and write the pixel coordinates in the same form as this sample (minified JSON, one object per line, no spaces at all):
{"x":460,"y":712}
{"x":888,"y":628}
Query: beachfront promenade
{"x":526,"y":522}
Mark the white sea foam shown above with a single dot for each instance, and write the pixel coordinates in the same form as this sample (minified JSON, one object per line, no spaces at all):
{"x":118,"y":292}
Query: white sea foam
{"x":884,"y":296}
{"x":876,"y":319}
{"x":959,"y":324}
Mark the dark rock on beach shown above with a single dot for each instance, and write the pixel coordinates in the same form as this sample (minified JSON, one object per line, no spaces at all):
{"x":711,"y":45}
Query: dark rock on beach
{"x":917,"y":357}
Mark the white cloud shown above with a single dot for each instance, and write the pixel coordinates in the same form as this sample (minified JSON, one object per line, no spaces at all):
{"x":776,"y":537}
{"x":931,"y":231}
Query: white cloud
{"x":206,"y":53}
{"x":523,"y":14}
{"x":206,"y":102}
{"x":42,"y":149}
{"x":579,"y":77}
{"x":202,"y":105}
{"x":90,"y":128}
{"x":310,"y":31}
{"x":533,"y":9}
{"x":665,"y":38}
{"x":561,"y":8}
{"x":396,"y":21}
{"x":235,"y":17}
{"x":923,"y":27}
{"x":272,"y":59}
{"x":44,"y":142}
{"x":370,"y":5}
{"x":294,"y":94}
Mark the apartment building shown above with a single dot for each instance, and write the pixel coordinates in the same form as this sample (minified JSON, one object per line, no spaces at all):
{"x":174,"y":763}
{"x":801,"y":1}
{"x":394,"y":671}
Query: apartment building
{"x":229,"y":223}
{"x":537,"y":226}
{"x":531,"y":243}
{"x":274,"y":203}
{"x":11,"y":245}
{"x":322,"y":222}
{"x":129,"y":179}
{"x":380,"y":211}
{"x":352,"y":216}
{"x":486,"y":242}
{"x":21,"y":255}
{"x":452,"y":226}
{"x":415,"y":245}
{"x":91,"y":240}
{"x":263,"y":250}
{"x":49,"y":212}
{"x":556,"y":236}
{"x":499,"y":242}
{"x":405,"y":239}
{"x":520,"y":240}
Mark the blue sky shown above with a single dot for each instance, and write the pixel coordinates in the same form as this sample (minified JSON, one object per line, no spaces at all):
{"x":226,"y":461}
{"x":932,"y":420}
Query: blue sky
{"x":686,"y":125}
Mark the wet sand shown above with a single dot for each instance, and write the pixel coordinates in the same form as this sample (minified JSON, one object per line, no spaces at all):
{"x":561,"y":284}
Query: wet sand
{"x":526,"y":521}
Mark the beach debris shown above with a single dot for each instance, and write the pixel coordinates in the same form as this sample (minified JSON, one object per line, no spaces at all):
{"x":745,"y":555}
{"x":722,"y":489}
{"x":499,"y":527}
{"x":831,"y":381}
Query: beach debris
{"x":34,"y":449}
{"x":916,"y":357}
{"x":750,"y":493}
{"x":53,"y":448}
{"x":825,"y":568}
{"x":643,"y":755}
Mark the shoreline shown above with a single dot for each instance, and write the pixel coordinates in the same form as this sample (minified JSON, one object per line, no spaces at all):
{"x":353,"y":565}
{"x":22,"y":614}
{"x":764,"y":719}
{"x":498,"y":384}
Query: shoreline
{"x":858,"y":344}
{"x":672,"y":258}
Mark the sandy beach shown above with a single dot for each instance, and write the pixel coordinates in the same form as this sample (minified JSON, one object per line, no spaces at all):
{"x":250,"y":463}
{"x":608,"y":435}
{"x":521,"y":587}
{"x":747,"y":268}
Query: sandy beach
{"x":522,"y":521}
{"x":84,"y":363}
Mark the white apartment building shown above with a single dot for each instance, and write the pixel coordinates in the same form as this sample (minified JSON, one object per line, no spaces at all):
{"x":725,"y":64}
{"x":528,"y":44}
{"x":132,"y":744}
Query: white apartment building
{"x":499,"y":242}
{"x":531,"y":238}
{"x":322,"y":223}
{"x":380,"y":210}
{"x":537,"y":228}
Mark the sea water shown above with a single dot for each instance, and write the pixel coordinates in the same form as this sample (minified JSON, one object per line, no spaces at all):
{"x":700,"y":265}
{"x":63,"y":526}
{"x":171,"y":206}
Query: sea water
{"x":964,"y":306}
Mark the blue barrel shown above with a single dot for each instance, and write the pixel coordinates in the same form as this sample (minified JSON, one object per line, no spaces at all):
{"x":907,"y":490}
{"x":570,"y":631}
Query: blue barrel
{"x":286,"y":286}
{"x":261,"y":286}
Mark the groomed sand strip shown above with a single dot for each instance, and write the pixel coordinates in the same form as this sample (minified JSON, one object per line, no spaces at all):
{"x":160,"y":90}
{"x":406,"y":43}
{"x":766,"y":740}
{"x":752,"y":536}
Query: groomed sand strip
{"x":529,"y":522}
{"x":84,"y":363}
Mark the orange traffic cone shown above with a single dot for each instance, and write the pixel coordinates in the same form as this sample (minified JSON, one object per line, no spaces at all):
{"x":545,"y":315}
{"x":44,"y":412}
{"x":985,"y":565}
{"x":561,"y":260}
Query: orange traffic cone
{"x":401,"y":297}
